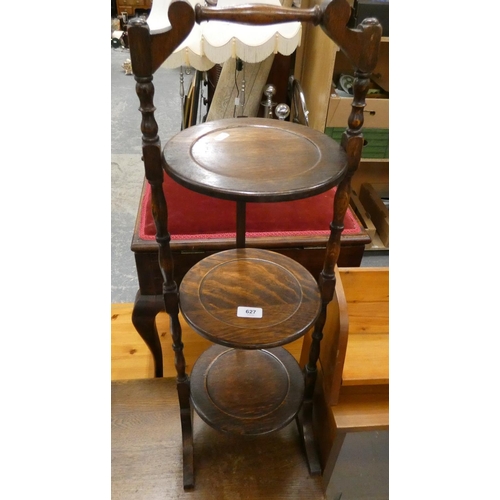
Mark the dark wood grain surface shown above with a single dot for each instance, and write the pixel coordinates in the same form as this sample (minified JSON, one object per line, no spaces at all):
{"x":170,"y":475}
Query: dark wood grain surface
{"x":248,"y":392}
{"x":254,"y":159}
{"x":146,"y":453}
{"x":213,"y":289}
{"x":239,"y":160}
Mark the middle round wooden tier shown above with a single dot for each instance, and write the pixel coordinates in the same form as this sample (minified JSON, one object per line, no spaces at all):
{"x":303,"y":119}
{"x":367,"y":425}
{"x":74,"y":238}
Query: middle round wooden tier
{"x":254,"y":160}
{"x":249,"y":298}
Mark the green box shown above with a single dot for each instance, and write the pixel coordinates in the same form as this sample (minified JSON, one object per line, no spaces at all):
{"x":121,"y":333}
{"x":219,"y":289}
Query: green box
{"x":376,"y":141}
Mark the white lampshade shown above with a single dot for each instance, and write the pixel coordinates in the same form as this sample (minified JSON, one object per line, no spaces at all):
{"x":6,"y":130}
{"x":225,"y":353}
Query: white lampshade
{"x":214,"y":42}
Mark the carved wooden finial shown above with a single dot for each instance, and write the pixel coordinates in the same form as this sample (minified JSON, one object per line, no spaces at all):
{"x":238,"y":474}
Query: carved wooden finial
{"x":360,"y":45}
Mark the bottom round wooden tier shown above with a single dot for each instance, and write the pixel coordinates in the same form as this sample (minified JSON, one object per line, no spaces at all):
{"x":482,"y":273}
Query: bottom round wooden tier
{"x":246,"y":391}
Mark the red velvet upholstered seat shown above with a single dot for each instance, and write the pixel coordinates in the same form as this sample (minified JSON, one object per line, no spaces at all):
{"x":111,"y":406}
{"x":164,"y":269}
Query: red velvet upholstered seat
{"x":308,"y":217}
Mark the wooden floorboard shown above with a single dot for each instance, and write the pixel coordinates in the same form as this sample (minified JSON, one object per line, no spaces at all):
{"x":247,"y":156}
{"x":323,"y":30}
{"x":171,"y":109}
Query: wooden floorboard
{"x":147,"y":453}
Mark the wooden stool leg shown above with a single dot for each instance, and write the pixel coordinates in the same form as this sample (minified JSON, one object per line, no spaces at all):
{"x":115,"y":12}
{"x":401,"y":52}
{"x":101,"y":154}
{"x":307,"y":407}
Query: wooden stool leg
{"x":146,"y":307}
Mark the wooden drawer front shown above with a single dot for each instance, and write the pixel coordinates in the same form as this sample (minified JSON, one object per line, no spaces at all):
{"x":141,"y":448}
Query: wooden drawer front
{"x":132,"y":3}
{"x":127,"y":5}
{"x":125,"y":8}
{"x":376,"y":112}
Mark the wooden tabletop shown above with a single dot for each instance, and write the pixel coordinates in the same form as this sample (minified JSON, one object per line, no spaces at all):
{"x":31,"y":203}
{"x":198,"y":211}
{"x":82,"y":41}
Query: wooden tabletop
{"x":254,"y":159}
{"x":146,"y":453}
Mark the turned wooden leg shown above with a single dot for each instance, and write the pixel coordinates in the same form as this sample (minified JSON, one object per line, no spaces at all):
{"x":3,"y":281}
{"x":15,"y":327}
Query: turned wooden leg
{"x":171,"y":299}
{"x":305,"y":417}
{"x":146,"y":308}
{"x":184,"y":393}
{"x":183,"y":390}
{"x":305,"y":426}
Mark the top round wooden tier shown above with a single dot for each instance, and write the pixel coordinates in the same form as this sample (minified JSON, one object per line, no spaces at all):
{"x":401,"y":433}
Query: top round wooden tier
{"x":255,"y":160}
